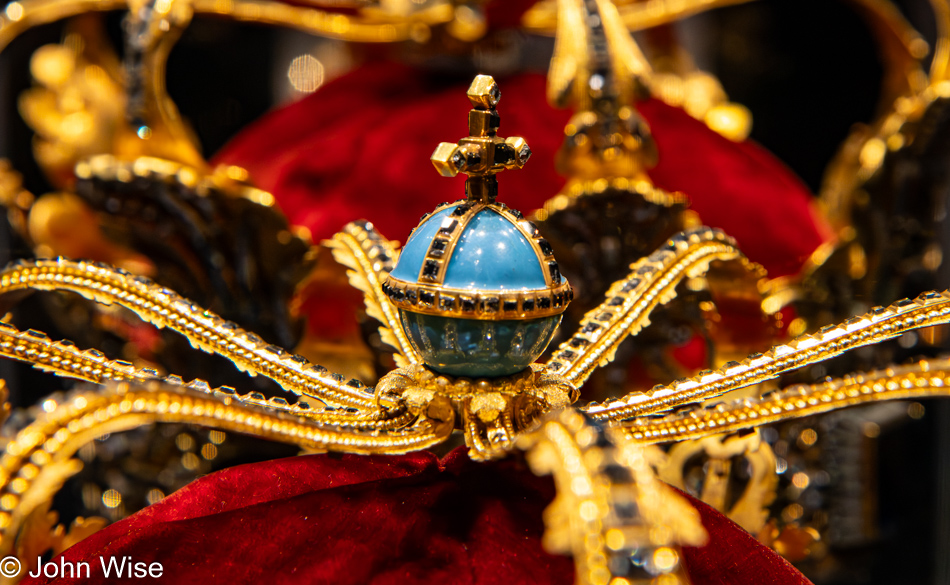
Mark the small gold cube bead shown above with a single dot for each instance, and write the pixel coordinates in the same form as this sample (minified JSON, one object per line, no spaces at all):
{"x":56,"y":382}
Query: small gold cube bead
{"x":447,"y":159}
{"x":483,"y":122}
{"x":521,"y":148}
{"x":484,"y":92}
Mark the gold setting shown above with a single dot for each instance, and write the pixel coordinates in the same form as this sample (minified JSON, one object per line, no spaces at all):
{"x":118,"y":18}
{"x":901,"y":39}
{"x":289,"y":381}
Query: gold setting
{"x":443,"y":245}
{"x":652,"y":282}
{"x":370,"y":258}
{"x":924,"y":379}
{"x":492,"y":411}
{"x":484,"y":305}
{"x":881,"y":323}
{"x":412,"y":408}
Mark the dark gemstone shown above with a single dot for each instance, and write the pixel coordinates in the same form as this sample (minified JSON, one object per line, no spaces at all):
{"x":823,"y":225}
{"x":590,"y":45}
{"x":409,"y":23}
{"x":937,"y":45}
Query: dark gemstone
{"x":473,"y":158}
{"x":448,"y":226}
{"x":490,"y":305}
{"x":354,"y":384}
{"x":527,"y":304}
{"x":530,"y":228}
{"x":616,"y":301}
{"x":438,"y":244}
{"x":399,"y":295}
{"x":447,"y":303}
{"x":645,"y":269}
{"x":426,"y":298}
{"x":299,"y":359}
{"x":555,"y":272}
{"x":511,"y":306}
{"x":430,"y":270}
{"x":495,"y":118}
{"x":274,"y":349}
{"x":516,"y":213}
{"x":546,"y":248}
{"x":337,"y":377}
{"x":579,"y":342}
{"x":554,"y":366}
{"x":618,"y":473}
{"x":567,"y":355}
{"x":590,"y":328}
{"x":460,"y":210}
{"x":544,"y":303}
{"x":631,"y":285}
{"x":468,"y":305}
{"x":605,"y":316}
{"x":412,"y":296}
{"x":558,"y":299}
{"x":424,"y":217}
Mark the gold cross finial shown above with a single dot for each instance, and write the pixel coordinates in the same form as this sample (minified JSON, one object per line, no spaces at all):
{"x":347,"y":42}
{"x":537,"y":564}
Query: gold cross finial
{"x":482,"y":154}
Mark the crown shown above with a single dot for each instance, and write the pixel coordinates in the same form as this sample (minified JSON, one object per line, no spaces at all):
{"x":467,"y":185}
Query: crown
{"x":470,"y":332}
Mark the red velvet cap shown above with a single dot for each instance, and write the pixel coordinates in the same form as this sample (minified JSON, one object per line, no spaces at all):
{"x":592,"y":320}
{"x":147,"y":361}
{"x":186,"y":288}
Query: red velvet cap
{"x":359,"y":149}
{"x":405,"y":520}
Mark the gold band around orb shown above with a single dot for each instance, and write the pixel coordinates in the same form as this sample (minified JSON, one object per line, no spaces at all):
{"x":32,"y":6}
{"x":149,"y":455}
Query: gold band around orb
{"x":481,"y":305}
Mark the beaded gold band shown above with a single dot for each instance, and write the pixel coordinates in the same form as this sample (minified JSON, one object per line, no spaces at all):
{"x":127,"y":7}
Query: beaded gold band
{"x":482,"y":305}
{"x":436,"y":263}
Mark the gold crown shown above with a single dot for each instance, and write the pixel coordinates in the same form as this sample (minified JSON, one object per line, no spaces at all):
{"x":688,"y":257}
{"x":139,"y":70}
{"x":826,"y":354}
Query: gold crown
{"x":108,"y":135}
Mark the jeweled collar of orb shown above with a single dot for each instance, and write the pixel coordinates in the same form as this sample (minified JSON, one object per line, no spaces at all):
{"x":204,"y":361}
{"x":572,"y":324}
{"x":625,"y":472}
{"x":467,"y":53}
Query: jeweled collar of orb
{"x":475,"y":258}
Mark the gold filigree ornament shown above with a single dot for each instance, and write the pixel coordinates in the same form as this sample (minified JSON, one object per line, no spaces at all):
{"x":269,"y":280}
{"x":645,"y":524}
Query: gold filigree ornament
{"x":413,"y":408}
{"x":610,"y":500}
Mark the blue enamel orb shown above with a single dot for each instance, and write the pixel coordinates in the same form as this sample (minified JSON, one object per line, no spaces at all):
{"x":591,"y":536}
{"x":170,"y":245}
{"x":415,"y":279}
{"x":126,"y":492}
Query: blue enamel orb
{"x":478,"y":290}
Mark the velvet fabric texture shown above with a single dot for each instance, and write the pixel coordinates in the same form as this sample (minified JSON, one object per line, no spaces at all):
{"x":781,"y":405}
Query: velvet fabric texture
{"x":351,"y":520}
{"x":359,"y":149}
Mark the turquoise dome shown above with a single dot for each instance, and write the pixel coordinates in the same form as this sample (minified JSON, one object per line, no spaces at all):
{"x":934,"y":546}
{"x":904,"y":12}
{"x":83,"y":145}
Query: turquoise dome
{"x":478,"y":290}
{"x":491,"y":254}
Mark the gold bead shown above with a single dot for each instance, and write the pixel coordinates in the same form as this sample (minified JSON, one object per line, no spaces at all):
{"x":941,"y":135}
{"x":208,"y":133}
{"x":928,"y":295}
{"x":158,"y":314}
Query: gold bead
{"x":447,"y":159}
{"x":484,"y":92}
